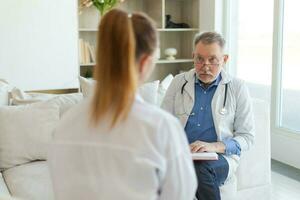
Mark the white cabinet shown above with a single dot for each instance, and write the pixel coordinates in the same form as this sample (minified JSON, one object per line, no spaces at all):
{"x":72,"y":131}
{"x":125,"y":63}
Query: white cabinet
{"x":181,"y":11}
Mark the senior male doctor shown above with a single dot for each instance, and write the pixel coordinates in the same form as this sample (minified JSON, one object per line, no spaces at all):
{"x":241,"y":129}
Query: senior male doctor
{"x":215,"y":110}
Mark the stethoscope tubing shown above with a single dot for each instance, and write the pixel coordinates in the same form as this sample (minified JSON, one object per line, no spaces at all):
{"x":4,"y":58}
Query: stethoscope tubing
{"x":223,"y":110}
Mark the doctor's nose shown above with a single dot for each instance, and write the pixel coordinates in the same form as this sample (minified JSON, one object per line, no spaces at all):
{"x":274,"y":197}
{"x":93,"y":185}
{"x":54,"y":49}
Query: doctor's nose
{"x":206,"y":66}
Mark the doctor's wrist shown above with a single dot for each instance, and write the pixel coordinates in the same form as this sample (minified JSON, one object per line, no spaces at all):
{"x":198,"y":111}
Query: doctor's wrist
{"x":220,"y":147}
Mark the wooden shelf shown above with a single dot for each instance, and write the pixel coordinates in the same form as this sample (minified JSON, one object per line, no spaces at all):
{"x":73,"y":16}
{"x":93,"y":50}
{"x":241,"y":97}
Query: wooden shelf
{"x":88,"y":30}
{"x":177,"y":29}
{"x":88,"y":64}
{"x":164,"y":61}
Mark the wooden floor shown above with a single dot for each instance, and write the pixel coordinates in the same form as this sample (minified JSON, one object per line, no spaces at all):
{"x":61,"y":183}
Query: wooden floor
{"x":285,"y":182}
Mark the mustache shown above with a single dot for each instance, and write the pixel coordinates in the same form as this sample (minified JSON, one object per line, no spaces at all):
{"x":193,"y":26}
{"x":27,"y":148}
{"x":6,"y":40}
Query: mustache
{"x":205,"y":73}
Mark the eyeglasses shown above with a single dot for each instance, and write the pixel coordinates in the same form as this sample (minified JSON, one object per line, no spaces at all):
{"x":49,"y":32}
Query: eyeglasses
{"x":212,"y":61}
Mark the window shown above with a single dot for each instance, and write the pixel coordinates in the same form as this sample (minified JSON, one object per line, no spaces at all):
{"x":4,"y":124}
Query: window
{"x":252,"y":45}
{"x":264,"y":44}
{"x":267,"y":57}
{"x":290,"y":67}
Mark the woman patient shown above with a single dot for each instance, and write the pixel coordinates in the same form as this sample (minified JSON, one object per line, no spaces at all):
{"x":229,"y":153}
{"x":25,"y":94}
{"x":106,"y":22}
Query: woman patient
{"x":114,"y":145}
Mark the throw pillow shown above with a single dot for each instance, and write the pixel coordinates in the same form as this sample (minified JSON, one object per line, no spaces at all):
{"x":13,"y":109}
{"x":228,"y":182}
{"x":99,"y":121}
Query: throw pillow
{"x":63,"y":101}
{"x":148,"y":91}
{"x":86,"y":86}
{"x":66,"y":101}
{"x":164,"y":85}
{"x":25,"y":132}
{"x":4,"y":91}
{"x":19,"y":97}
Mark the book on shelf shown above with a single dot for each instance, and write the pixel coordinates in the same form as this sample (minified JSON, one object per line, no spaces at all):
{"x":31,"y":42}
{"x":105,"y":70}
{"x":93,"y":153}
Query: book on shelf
{"x":81,"y":60}
{"x":86,"y":52}
{"x":92,"y":53}
{"x":205,"y":156}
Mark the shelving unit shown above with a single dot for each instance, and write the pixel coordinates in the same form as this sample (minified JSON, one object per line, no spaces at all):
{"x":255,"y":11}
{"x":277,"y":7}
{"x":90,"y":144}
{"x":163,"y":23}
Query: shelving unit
{"x":177,"y":29}
{"x":181,"y":11}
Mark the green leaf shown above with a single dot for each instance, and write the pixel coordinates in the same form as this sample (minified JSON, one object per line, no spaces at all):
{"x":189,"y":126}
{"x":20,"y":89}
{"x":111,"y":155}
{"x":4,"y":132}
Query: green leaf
{"x":104,"y":5}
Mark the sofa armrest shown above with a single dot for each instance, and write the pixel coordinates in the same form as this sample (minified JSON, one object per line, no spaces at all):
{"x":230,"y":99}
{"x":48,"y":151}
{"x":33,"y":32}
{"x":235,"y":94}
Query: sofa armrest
{"x":255,"y":165}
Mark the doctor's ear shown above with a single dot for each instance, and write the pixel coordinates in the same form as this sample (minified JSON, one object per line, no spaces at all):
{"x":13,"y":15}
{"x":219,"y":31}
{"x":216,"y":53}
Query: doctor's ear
{"x":143,"y":62}
{"x":226,"y":57}
{"x":145,"y":66}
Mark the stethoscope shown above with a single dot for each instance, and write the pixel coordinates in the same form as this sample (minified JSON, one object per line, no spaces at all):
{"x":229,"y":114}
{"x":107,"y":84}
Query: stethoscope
{"x":223,"y":110}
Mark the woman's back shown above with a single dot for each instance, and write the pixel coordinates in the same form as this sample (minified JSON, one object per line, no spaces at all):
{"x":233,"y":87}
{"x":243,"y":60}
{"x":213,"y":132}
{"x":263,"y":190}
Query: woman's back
{"x":115,"y":146}
{"x":138,"y":159}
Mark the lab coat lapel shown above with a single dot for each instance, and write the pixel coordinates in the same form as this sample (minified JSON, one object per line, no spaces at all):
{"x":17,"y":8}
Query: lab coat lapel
{"x":189,"y":96}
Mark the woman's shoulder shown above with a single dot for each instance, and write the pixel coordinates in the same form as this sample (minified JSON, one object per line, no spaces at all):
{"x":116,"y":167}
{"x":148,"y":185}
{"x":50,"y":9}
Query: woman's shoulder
{"x":148,"y":110}
{"x":153,"y":115}
{"x":158,"y":124}
{"x":72,"y":119}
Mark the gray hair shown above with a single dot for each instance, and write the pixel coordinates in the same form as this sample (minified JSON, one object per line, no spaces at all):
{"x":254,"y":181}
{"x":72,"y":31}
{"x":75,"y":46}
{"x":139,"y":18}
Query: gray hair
{"x":209,"y":38}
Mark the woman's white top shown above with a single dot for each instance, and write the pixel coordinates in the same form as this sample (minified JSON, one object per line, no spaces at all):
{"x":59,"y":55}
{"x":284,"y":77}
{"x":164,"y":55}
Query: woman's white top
{"x":145,"y":157}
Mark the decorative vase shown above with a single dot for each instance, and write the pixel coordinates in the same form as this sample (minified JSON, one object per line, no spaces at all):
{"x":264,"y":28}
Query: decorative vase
{"x":170,"y":53}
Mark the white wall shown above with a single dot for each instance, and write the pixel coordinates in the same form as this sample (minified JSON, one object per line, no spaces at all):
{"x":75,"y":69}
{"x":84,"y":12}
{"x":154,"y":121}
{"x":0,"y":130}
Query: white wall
{"x":211,"y":15}
{"x":38,"y":43}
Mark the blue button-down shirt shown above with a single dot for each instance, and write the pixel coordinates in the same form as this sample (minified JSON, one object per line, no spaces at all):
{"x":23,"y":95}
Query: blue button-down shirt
{"x":200,"y":125}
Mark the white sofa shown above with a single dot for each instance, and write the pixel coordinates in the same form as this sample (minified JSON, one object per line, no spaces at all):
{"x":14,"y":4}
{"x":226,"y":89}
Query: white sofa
{"x":253,"y":177}
{"x":31,"y":181}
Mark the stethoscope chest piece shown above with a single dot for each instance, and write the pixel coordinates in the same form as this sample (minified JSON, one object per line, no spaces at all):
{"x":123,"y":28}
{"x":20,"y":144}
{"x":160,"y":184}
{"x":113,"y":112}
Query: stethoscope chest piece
{"x":223,"y":111}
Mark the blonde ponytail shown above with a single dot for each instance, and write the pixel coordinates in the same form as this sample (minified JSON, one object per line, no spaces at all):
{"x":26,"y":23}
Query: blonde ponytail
{"x":122,"y":39}
{"x":115,"y":72}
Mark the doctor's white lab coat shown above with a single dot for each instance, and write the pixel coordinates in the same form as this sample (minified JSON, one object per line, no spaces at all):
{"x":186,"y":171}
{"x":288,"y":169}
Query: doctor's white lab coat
{"x":237,"y":122}
{"x":145,"y":157}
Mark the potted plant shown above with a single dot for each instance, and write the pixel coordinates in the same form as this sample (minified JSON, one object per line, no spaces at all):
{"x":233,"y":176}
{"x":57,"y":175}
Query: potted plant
{"x":102,"y":5}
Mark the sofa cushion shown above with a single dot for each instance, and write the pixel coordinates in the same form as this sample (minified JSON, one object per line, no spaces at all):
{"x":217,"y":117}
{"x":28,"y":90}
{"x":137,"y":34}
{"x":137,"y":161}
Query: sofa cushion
{"x":229,"y":189}
{"x":25,"y":132}
{"x":148,"y":91}
{"x":30,"y":181}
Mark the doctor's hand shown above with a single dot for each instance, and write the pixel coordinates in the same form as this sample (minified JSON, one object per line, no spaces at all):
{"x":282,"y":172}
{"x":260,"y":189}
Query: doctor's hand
{"x":200,"y":146}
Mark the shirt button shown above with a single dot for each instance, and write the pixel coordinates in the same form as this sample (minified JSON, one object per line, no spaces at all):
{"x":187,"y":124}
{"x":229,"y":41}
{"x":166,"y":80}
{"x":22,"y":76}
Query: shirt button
{"x":204,"y":92}
{"x":198,"y":124}
{"x":192,"y":114}
{"x":201,"y":108}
